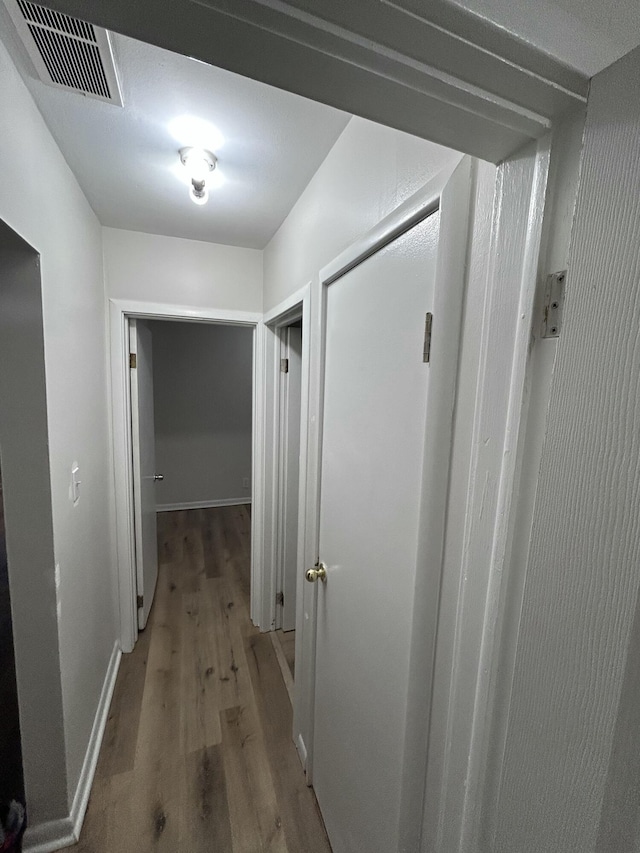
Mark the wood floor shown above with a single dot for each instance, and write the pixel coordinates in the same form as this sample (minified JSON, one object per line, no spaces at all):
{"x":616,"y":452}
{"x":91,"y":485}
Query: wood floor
{"x":197,"y":754}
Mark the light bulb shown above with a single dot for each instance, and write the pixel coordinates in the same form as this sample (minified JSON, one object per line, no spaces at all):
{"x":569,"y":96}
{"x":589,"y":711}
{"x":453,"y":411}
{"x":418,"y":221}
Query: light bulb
{"x":199,"y":165}
{"x":199,"y":196}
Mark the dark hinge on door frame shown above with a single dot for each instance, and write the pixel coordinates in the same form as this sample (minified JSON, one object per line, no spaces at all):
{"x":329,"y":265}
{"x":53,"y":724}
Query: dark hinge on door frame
{"x":133,"y":361}
{"x":426,"y":351}
{"x":284,"y":365}
{"x":140,"y":601}
{"x":280,"y":599}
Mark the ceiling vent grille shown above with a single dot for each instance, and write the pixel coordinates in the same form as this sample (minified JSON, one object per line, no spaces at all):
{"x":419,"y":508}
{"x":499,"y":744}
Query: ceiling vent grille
{"x":67,"y":52}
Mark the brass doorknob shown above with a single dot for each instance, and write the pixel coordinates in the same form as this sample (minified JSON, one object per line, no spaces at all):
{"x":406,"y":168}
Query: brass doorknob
{"x":318,"y":572}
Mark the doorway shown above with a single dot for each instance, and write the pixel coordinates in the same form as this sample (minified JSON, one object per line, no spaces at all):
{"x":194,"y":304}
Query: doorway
{"x":287,"y":404}
{"x":287,"y":336}
{"x":28,"y":577}
{"x":131,"y":570}
{"x":191,"y":431}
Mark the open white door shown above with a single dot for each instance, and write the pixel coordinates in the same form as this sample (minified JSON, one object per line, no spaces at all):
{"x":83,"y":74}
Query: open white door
{"x":377,"y":443}
{"x":144,"y":464}
{"x":290,"y":472}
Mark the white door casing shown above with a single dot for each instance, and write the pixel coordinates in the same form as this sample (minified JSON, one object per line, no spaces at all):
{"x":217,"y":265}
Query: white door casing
{"x":368,"y":640}
{"x":436,"y":70}
{"x":144,"y":464}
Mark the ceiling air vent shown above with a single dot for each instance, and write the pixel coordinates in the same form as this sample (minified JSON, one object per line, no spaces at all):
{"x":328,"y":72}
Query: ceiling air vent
{"x":67,"y":52}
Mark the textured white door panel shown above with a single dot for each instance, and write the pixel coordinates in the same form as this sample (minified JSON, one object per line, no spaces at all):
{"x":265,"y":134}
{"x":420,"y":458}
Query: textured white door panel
{"x":375,"y":414}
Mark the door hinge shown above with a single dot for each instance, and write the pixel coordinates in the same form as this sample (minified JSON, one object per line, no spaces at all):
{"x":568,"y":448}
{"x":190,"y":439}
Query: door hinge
{"x":280,"y":599}
{"x":140,"y":601}
{"x":133,"y":360}
{"x":553,"y":304}
{"x":426,"y":351}
{"x":284,"y":365}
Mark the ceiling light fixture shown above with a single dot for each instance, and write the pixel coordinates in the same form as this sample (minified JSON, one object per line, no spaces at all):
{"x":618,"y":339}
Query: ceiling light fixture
{"x":199,"y":165}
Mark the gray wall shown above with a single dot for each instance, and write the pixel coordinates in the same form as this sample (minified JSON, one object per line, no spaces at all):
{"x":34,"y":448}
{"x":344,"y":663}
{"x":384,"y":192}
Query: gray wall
{"x":571,"y":772}
{"x":202,"y":376}
{"x":24,"y":453}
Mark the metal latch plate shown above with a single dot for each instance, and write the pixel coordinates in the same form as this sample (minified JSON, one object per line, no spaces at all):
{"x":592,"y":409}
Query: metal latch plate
{"x":554,"y":304}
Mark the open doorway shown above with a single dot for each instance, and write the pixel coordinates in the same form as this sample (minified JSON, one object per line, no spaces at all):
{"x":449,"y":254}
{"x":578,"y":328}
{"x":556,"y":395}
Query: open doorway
{"x":191,"y":407}
{"x":287,"y":342}
{"x":189,"y":401}
{"x":31,"y":749}
{"x":288,"y":569}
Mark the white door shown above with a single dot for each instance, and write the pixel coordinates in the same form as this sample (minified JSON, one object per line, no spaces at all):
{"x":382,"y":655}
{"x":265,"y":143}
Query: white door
{"x":373,"y":446}
{"x":292,"y":386}
{"x":144,"y":466}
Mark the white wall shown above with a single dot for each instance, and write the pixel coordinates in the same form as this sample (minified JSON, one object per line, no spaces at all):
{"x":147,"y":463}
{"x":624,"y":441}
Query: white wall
{"x":571,"y":771}
{"x":202,"y":385}
{"x":369,"y":172}
{"x":175,"y":271}
{"x":41,"y":200}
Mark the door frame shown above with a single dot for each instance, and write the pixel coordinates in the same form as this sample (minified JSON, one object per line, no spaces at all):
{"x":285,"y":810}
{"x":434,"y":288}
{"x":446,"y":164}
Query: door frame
{"x":507,"y":265}
{"x":296,"y":306}
{"x":119,"y":313}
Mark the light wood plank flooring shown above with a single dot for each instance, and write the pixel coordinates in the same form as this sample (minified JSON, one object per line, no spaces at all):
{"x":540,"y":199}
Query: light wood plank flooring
{"x":197,"y":754}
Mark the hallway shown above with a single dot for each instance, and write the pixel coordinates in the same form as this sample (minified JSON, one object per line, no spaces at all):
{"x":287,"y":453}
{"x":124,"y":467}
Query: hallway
{"x":197,"y":753}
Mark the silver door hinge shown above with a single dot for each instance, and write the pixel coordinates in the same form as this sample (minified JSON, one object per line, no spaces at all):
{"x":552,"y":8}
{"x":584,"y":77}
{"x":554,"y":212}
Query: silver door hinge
{"x":553,"y":304}
{"x":280,"y":599}
{"x":140,"y":601}
{"x":426,"y":351}
{"x":133,"y":360}
{"x":284,"y":365}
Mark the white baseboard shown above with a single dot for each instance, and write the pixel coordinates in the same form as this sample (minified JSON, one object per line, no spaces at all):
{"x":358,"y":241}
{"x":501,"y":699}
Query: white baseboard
{"x":79,"y":807}
{"x":56,"y":834}
{"x":203,"y":504}
{"x":302,"y":751}
{"x":49,"y":836}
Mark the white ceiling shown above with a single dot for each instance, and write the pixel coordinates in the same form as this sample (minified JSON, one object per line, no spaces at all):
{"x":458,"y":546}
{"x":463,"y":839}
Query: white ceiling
{"x":126,"y":159}
{"x":588,"y":35}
